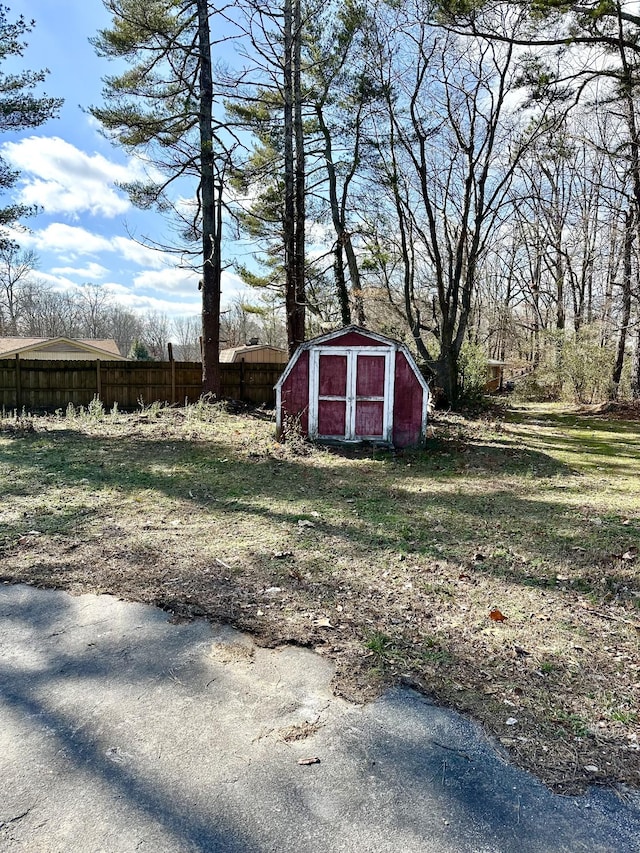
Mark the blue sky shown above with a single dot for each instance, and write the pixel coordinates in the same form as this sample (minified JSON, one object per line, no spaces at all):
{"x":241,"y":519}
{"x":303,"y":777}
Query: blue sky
{"x":87,"y":230}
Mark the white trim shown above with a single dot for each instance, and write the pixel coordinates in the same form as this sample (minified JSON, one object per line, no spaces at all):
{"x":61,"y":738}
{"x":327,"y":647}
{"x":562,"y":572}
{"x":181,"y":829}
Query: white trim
{"x":425,"y":411}
{"x":314,"y":389}
{"x":350,"y":398}
{"x":389,"y":392}
{"x":278,"y":409}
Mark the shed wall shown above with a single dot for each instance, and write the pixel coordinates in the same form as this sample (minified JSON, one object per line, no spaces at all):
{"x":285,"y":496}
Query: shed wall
{"x":407,"y":405}
{"x":352,"y":339}
{"x":266,"y":354}
{"x":295,"y":393}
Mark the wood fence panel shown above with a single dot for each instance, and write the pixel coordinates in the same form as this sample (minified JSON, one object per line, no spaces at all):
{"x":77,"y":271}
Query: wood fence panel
{"x":130,"y":383}
{"x":8,"y":380}
{"x":252,"y":381}
{"x":188,"y":381}
{"x":42,"y":384}
{"x":39,"y":384}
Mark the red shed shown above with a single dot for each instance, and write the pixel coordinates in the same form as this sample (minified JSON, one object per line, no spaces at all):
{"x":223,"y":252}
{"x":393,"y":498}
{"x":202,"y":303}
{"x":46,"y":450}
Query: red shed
{"x":354,"y":385}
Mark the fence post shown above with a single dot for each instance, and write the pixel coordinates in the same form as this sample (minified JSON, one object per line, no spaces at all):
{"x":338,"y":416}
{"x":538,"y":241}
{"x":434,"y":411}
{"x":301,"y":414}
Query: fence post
{"x":173,"y":373}
{"x":98,"y":380}
{"x":18,"y":383}
{"x":242,"y":379}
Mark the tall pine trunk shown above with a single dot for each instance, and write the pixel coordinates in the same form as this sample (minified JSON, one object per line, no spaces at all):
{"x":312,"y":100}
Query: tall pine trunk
{"x":294,"y":192}
{"x":211,"y":235}
{"x":300,"y":194}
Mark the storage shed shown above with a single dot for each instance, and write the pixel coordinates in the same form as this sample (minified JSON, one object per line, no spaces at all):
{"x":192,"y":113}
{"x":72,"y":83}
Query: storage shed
{"x":494,"y":375}
{"x":254,"y":353}
{"x":354,"y":385}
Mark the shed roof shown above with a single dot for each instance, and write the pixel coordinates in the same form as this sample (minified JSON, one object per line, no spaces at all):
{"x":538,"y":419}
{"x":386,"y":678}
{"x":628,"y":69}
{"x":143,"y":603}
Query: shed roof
{"x":229,"y":354}
{"x":375,"y":337}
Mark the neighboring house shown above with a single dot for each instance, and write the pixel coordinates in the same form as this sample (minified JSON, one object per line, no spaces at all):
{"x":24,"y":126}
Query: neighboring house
{"x":64,"y":349}
{"x":252,"y":353}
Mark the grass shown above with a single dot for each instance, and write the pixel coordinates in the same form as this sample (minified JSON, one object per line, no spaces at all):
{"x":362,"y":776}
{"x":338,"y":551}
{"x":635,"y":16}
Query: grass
{"x":388,"y":563}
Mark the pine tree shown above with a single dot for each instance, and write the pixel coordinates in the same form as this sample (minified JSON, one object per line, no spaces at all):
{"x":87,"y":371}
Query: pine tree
{"x":163,"y":106}
{"x":20,"y":108}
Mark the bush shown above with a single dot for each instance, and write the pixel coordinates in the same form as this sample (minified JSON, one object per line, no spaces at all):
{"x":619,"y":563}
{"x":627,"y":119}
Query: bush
{"x":535,"y":389}
{"x":473,"y":371}
{"x":576,"y":368}
{"x":587,"y":366}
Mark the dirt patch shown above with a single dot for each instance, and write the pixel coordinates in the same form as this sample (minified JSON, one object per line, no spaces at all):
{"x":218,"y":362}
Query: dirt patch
{"x":299,"y":732}
{"x":389,"y":564}
{"x":613,"y":409}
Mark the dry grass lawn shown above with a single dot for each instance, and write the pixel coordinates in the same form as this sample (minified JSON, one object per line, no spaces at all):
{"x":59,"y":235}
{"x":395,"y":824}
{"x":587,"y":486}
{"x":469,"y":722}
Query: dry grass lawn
{"x":496,"y":570}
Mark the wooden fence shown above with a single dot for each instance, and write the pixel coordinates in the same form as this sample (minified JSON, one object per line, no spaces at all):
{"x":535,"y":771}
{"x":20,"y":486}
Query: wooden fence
{"x":39,"y":385}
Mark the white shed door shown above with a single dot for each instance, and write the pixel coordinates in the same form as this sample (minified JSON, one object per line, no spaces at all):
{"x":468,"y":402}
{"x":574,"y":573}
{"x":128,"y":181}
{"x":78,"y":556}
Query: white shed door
{"x":351,"y":393}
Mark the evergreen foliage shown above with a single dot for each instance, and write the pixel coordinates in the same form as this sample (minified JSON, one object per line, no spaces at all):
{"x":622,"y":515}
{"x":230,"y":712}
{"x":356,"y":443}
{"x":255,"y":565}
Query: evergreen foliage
{"x":20,"y":106}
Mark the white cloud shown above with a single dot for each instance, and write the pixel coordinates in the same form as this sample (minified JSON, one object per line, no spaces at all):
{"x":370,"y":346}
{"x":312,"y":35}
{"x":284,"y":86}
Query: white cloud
{"x":232,"y":287}
{"x":70,"y":240}
{"x":139,"y":278}
{"x":143,"y":256}
{"x":63,"y":179}
{"x":169,"y":280}
{"x":56,"y":282}
{"x":74,"y":241}
{"x":143,"y":303}
{"x":90,"y":271}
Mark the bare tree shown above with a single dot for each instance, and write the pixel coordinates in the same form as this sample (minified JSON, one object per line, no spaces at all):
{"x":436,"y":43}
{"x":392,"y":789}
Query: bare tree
{"x":450,"y":155}
{"x":16,"y":269}
{"x":186,"y":331}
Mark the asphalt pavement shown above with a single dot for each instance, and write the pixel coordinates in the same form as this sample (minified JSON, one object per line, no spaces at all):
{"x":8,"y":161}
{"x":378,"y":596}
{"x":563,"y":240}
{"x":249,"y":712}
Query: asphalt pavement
{"x":120,"y":731}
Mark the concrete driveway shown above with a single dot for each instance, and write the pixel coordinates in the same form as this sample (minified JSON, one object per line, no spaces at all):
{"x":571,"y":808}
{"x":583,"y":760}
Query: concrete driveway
{"x":120,"y":731}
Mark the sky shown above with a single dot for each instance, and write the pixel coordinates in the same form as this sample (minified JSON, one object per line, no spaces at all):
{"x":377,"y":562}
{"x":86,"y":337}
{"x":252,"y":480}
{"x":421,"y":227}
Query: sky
{"x":87,"y":230}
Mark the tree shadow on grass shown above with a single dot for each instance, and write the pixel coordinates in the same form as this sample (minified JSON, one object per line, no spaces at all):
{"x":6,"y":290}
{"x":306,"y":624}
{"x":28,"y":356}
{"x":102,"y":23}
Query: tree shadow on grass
{"x":383,"y":510}
{"x":425,"y":508}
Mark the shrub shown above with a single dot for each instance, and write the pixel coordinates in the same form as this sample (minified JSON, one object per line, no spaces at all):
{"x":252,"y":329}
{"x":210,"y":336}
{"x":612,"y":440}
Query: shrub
{"x":473,"y":371}
{"x":587,"y":366}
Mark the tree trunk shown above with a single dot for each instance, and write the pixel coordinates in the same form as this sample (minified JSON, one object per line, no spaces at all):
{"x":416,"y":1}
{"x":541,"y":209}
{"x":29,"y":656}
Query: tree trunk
{"x":338,"y":252}
{"x":294,"y":175}
{"x":289,"y":180}
{"x":629,"y":235}
{"x":635,"y":370}
{"x":300,"y":190}
{"x":446,"y":375}
{"x":211,"y":262}
{"x":341,"y":284}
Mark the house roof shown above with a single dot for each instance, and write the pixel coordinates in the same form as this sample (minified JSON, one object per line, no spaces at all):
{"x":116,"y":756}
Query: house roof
{"x":94,"y":346}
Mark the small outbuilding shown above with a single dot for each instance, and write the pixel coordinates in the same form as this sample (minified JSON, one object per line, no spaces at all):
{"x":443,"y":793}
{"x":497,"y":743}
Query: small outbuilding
{"x":354,"y":385}
{"x":495,"y":369}
{"x":254,"y":354}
